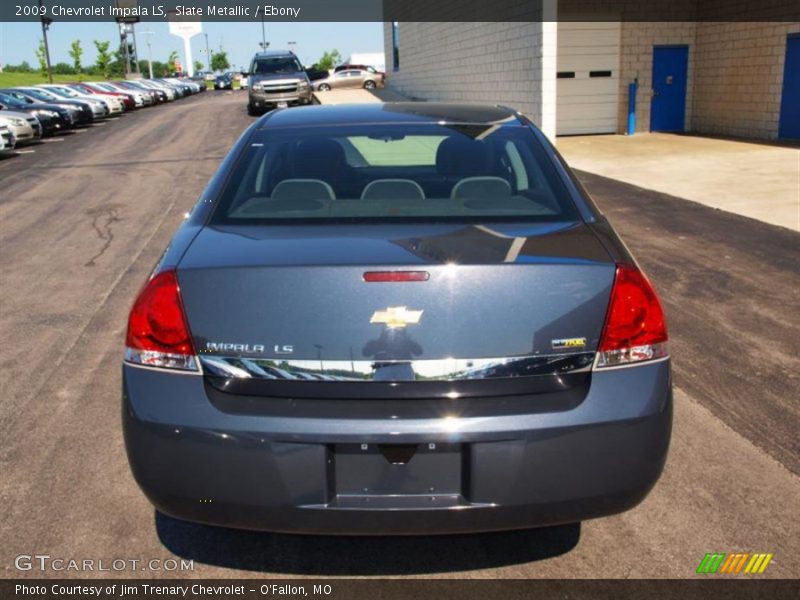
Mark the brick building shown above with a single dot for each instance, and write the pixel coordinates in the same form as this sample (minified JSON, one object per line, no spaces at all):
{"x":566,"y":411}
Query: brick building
{"x":738,"y":78}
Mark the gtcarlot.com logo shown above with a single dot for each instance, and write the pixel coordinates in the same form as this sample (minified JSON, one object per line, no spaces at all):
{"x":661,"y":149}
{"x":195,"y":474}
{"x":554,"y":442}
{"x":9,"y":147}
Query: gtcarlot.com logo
{"x":744,"y":563}
{"x":45,"y":562}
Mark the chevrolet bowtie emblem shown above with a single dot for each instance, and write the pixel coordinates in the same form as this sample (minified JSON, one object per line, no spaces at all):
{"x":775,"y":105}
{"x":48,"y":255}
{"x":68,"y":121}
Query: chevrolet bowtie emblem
{"x":396,"y":317}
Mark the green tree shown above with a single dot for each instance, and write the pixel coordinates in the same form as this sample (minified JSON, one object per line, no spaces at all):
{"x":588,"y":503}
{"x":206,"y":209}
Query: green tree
{"x":103,"y":62}
{"x":198,"y":66}
{"x":63,"y":68}
{"x":42,"y":58}
{"x":159,"y":68}
{"x":328,"y":60}
{"x":171,"y":60}
{"x":22,"y":67}
{"x":219,"y":60}
{"x":76,"y":52}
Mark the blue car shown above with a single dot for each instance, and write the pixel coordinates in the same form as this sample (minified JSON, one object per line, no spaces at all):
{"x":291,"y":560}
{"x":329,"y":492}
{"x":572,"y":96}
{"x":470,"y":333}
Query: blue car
{"x":405,"y":318}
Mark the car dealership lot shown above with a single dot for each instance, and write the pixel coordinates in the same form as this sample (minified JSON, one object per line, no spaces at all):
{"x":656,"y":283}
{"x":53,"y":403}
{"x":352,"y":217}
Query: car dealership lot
{"x":84,"y":221}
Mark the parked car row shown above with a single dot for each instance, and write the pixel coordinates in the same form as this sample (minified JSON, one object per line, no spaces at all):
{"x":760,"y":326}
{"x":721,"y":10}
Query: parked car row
{"x":29,"y":113}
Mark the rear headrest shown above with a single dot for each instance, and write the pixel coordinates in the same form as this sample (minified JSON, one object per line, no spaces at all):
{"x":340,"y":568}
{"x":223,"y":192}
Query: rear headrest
{"x":459,"y":156}
{"x":318,"y":158}
{"x":302,"y":189}
{"x":481,"y":187}
{"x":393,"y":189}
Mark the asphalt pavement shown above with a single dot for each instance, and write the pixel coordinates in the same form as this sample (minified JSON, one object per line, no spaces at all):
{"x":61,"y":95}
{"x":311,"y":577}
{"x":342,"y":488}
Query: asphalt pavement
{"x":83,"y":221}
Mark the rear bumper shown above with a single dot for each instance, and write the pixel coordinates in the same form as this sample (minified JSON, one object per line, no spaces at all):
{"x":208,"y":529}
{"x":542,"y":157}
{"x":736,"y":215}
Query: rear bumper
{"x":515,"y":471}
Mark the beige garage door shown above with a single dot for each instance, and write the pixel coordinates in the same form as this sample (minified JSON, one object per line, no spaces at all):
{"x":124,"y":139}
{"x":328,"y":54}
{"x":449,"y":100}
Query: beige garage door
{"x":588,"y":78}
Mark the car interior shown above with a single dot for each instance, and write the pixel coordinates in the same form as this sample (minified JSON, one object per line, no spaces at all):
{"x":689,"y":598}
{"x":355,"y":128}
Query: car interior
{"x":358,"y":176}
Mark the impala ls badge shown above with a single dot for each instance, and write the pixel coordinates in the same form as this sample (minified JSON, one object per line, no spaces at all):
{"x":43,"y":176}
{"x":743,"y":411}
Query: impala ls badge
{"x":396,"y":317}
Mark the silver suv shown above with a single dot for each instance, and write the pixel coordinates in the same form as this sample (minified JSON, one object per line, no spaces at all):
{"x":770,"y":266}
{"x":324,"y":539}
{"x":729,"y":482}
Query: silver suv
{"x":277,"y":80}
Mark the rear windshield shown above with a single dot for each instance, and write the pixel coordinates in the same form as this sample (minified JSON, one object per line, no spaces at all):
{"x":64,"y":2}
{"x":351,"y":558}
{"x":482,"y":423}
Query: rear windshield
{"x":275,"y":65}
{"x":394,"y":172}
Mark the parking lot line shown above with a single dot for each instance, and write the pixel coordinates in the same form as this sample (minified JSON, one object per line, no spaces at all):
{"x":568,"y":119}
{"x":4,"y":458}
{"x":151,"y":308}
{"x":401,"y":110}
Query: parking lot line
{"x":25,"y":151}
{"x":53,"y":140}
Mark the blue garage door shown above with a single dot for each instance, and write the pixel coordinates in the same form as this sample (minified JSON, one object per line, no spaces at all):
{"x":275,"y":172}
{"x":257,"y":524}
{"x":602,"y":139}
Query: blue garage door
{"x":668,"y":106}
{"x":789,"y":127}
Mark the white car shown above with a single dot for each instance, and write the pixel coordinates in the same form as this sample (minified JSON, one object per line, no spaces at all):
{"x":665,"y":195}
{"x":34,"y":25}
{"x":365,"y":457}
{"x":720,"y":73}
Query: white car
{"x":25,"y":127}
{"x":7,"y":140}
{"x":170,"y":92}
{"x":185,"y":81}
{"x":115,"y":105}
{"x":244,"y":82}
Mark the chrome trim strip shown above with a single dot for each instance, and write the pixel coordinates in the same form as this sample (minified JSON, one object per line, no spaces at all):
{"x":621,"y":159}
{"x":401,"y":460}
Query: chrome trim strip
{"x":447,"y":369}
{"x":199,"y":371}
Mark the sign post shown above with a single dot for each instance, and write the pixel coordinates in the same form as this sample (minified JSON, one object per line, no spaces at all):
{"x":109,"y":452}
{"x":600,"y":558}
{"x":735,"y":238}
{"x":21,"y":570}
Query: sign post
{"x":126,"y":24}
{"x":186,"y":30}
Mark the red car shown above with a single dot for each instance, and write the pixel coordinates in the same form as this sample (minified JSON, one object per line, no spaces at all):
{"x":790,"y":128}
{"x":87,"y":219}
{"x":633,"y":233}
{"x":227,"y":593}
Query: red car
{"x":87,"y":88}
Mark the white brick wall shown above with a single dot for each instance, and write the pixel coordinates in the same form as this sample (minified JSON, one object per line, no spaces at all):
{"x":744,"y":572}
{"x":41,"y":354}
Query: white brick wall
{"x":735,"y":77}
{"x":487,"y":63}
{"x":739,"y":78}
{"x":735,"y":71}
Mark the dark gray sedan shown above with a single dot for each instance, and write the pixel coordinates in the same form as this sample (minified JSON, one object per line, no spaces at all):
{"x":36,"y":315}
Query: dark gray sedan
{"x":401,"y":318}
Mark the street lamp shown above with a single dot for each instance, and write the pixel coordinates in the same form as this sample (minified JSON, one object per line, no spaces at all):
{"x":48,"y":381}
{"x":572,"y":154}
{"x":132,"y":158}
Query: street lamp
{"x":264,"y":43}
{"x":147,"y":35}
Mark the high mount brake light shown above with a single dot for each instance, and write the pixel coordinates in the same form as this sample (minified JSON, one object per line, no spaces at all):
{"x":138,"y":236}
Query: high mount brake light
{"x":395,"y":276}
{"x":158,"y":334}
{"x":635,"y":329}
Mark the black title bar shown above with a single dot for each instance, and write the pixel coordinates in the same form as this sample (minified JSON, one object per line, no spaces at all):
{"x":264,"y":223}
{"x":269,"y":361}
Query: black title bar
{"x":400,"y":10}
{"x":396,"y":589}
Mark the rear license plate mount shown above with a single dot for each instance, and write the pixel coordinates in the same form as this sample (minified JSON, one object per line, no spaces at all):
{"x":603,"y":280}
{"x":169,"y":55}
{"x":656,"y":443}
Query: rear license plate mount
{"x":397,"y":469}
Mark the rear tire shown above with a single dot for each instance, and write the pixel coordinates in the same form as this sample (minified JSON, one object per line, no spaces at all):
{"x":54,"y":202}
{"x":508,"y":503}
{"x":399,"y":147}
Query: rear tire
{"x":369,"y":85}
{"x":324,"y":87}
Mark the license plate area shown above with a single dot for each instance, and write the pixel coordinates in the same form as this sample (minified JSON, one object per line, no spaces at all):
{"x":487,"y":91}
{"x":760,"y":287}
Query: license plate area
{"x":394,"y":470}
{"x":283,"y":104}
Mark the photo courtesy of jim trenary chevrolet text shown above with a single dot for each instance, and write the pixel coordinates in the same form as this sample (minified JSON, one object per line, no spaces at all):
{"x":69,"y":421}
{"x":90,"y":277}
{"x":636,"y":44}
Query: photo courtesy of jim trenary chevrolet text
{"x":399,"y":299}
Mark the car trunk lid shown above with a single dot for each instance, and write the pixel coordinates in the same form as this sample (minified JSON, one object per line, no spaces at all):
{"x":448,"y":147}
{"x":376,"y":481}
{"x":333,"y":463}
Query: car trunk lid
{"x":498,"y":301}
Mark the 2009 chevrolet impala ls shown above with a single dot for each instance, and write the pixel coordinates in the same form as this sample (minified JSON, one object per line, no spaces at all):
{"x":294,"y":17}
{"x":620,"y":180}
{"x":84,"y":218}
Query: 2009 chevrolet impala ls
{"x":400,"y":318}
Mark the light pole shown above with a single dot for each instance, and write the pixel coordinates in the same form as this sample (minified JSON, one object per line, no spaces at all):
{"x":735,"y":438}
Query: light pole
{"x":208,"y":55}
{"x":147,"y":35}
{"x":45,"y":26}
{"x":263,"y":33}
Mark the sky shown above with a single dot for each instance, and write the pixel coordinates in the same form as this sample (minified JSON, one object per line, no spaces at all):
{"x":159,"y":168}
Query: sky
{"x":18,"y":41}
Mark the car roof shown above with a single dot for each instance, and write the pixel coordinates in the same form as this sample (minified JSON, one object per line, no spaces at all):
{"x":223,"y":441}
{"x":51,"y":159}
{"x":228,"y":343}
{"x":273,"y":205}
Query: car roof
{"x":390,"y":112}
{"x":269,"y":53}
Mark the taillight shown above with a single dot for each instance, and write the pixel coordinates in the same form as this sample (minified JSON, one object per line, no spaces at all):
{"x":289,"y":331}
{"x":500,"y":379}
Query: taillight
{"x":158,"y":335}
{"x":635,"y":329}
